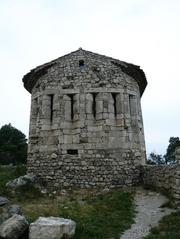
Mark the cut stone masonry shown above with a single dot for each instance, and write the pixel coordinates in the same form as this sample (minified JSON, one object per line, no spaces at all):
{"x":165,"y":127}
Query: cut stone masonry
{"x":86,"y":127}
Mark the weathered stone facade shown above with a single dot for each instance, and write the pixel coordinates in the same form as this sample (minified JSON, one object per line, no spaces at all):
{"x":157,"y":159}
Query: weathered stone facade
{"x":86,"y":125}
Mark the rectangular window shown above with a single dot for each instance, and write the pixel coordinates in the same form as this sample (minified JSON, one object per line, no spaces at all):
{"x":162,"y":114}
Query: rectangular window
{"x":51,"y":107}
{"x":72,"y":151}
{"x":94,"y":104}
{"x":114,"y":103}
{"x":71,"y":96}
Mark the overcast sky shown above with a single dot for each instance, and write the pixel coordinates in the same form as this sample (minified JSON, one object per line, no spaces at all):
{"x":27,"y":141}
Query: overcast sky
{"x":142,"y":32}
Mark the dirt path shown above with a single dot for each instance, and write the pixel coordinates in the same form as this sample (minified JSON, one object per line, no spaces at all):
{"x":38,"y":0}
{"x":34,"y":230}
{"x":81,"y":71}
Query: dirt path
{"x":148,"y":215}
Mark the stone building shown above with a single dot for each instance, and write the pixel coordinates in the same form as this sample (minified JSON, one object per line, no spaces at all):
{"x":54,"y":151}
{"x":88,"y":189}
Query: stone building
{"x":86,"y":127}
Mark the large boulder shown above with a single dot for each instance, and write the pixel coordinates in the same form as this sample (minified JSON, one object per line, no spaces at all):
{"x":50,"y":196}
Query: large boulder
{"x":22,"y":180}
{"x":51,"y":228}
{"x":8,"y":211}
{"x":14,"y":227}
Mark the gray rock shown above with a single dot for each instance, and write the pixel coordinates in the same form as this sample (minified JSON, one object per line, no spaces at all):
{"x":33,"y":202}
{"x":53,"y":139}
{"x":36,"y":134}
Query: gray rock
{"x":15,"y":209}
{"x":3,"y":201}
{"x":22,"y":180}
{"x":8,"y":211}
{"x":51,"y":228}
{"x":14,"y":227}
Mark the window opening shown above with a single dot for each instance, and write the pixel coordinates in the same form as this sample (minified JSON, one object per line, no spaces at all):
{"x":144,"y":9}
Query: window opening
{"x":71,"y":96}
{"x":81,"y":63}
{"x":72,"y":151}
{"x":94,"y":104}
{"x":51,"y":107}
{"x":115,"y":103}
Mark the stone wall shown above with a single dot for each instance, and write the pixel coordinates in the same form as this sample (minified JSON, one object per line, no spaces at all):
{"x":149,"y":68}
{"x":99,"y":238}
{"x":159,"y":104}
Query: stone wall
{"x":100,"y":168}
{"x":164,"y":178}
{"x":86,"y":126}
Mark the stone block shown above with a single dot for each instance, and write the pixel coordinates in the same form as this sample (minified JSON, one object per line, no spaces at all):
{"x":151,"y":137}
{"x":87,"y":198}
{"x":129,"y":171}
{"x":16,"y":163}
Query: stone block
{"x":120,"y":122}
{"x":99,"y":106}
{"x":51,"y":228}
{"x":75,"y":139}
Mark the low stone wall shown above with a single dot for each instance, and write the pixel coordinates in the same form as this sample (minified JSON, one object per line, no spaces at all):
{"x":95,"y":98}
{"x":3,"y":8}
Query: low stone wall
{"x":105,"y":168}
{"x":164,"y":178}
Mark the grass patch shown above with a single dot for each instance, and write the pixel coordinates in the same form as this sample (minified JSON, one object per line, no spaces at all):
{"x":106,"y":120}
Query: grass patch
{"x":168,"y":228}
{"x":9,"y":173}
{"x":97,"y":215}
{"x":102,"y":216}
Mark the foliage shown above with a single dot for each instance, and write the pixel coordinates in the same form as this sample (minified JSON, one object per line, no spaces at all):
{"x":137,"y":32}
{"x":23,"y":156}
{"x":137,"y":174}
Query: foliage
{"x":169,"y":228}
{"x":13,"y":145}
{"x":169,"y":157}
{"x":155,"y":159}
{"x":9,"y":173}
{"x":27,"y":192}
{"x":98,"y":215}
{"x":170,"y":152}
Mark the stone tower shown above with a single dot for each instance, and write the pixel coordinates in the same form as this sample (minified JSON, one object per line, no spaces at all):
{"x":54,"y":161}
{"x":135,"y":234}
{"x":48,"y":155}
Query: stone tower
{"x":86,"y":127}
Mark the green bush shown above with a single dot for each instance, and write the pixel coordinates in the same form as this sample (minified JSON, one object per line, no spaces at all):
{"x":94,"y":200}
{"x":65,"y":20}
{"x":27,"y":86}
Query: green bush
{"x":13,"y":145}
{"x":27,"y":192}
{"x":9,"y":173}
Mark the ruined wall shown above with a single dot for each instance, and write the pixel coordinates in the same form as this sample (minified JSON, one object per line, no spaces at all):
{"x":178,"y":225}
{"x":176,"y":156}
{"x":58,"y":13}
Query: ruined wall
{"x":86,"y":124}
{"x":165,"y":178}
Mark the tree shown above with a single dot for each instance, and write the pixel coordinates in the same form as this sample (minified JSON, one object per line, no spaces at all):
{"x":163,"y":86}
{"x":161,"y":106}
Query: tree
{"x":13,"y":145}
{"x":170,"y":152}
{"x":155,"y":159}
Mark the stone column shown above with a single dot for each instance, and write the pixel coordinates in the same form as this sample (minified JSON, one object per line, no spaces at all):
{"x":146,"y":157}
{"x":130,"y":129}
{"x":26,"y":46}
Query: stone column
{"x":99,"y":106}
{"x":33,"y":116}
{"x":133,"y":111}
{"x":35,"y":108}
{"x":120,"y":110}
{"x":120,"y":104}
{"x":76,"y":106}
{"x":111,"y":105}
{"x":56,"y":111}
{"x":105,"y":102}
{"x":46,"y":107}
{"x":133,"y":105}
{"x":89,"y":105}
{"x":67,"y":107}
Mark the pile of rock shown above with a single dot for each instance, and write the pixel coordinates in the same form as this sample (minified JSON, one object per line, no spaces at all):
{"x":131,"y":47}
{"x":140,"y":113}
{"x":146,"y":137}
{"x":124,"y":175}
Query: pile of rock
{"x":13,"y":225}
{"x":22,"y":180}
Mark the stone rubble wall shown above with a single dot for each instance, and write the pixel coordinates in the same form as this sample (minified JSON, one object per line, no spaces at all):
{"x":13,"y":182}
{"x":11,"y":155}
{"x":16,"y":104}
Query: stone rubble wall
{"x":165,"y":178}
{"x":106,"y":168}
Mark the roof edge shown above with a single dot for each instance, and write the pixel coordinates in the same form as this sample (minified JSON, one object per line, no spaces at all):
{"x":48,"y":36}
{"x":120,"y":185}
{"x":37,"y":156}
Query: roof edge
{"x":132,"y":70}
